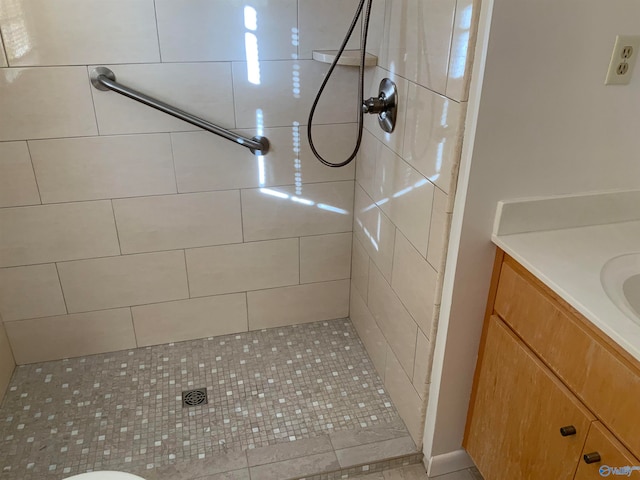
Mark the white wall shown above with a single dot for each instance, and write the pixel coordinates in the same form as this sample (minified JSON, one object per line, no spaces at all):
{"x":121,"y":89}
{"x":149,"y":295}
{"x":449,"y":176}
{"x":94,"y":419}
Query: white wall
{"x":546,"y":125}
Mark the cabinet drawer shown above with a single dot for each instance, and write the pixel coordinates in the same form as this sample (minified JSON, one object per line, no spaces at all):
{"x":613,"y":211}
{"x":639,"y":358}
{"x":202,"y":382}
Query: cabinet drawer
{"x":606,"y":381}
{"x":612,"y":456}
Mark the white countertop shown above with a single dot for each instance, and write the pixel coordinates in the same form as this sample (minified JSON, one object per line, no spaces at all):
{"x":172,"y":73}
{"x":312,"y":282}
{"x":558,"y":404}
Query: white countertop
{"x":569,"y":261}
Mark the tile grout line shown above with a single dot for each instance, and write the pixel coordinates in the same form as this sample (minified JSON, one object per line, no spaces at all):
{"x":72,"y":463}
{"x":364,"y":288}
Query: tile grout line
{"x":167,"y":194}
{"x":159,"y":132}
{"x":93,"y":106}
{"x":433,"y":204}
{"x":242,"y":217}
{"x":133,"y":325}
{"x":152,"y":252}
{"x":155,"y":15}
{"x":242,"y":60}
{"x":115,"y":224}
{"x":186,"y":271}
{"x":35,"y":177}
{"x":449,"y":53}
{"x":233,"y":95}
{"x":298,"y":29}
{"x":64,"y":299}
{"x":4,"y":47}
{"x":173,"y":162}
{"x":246,"y":302}
{"x":299,"y":261}
{"x":190,"y":298}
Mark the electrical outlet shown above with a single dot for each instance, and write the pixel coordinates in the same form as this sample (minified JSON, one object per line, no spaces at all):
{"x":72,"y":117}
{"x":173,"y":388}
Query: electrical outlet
{"x":623,"y":59}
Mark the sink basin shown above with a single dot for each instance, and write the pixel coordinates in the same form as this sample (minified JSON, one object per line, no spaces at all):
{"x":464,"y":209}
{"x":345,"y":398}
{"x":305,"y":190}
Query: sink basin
{"x":620,"y":279}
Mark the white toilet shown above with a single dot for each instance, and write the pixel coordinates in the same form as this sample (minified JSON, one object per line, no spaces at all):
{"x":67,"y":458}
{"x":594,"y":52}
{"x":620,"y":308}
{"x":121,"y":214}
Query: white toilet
{"x":105,"y":476}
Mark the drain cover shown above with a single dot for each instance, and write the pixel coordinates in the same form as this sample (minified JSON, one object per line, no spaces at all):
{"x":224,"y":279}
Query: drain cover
{"x":191,"y":398}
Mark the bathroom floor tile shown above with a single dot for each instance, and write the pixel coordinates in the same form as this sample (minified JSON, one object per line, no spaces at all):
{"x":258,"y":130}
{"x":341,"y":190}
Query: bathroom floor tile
{"x":123,"y":411}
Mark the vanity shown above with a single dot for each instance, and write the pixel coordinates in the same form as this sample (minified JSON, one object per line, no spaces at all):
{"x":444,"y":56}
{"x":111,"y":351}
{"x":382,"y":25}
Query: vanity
{"x":556,"y":392}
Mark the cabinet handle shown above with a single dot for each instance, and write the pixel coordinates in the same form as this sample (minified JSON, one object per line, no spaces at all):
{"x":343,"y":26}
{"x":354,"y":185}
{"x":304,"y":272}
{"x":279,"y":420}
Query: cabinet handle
{"x":568,"y":431}
{"x":593,"y":457}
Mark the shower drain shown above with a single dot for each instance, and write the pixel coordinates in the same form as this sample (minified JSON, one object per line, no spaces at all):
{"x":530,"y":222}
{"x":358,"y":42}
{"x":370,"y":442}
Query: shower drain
{"x":192,"y":398}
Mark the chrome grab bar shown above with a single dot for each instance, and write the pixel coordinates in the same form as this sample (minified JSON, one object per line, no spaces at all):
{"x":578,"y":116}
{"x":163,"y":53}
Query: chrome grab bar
{"x":104,"y":79}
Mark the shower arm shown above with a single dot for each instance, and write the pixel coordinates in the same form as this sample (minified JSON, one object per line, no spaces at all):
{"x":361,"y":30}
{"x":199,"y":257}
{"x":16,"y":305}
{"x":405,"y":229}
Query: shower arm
{"x":104,"y":79}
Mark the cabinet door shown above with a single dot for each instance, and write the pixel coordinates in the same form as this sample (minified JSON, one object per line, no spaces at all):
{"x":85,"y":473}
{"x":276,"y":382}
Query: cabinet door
{"x":600,"y":374}
{"x":612,"y":456}
{"x":518,"y":409}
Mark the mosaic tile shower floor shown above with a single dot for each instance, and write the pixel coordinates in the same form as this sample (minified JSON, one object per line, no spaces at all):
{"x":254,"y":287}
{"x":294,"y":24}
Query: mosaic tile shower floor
{"x":124,"y":409}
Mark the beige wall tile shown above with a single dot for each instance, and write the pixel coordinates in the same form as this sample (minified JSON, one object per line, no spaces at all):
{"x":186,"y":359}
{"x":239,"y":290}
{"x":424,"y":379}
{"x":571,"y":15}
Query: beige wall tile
{"x":123,"y":281}
{"x":30,"y":292}
{"x":375,"y":231}
{"x":438,"y":233}
{"x":281,"y":212}
{"x":414,"y":281}
{"x":325,"y":257}
{"x":202,"y":89}
{"x":276,"y":100}
{"x":216,"y":30}
{"x":54,"y":338}
{"x":462,"y":48}
{"x":432,"y":135}
{"x":242,"y":267}
{"x":30,"y":111}
{"x":3,"y":58}
{"x":73,"y":169}
{"x":190,"y":319}
{"x":17,"y":182}
{"x":170,"y":222}
{"x":323,"y":25}
{"x":366,"y":162}
{"x":299,"y":304}
{"x":368,"y":331}
{"x":333,"y":142}
{"x":207,"y":162}
{"x":76,"y":32}
{"x":417,"y":40}
{"x":360,"y":268}
{"x":393,"y":319}
{"x":422,"y":369}
{"x":376,"y":27}
{"x":7,"y":363}
{"x":405,"y":398}
{"x":50,"y":233}
{"x":404,"y":196}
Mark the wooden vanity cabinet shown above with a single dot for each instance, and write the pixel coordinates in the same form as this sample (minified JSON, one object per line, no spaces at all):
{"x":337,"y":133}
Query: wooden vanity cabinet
{"x":542,"y":367}
{"x":520,"y":408}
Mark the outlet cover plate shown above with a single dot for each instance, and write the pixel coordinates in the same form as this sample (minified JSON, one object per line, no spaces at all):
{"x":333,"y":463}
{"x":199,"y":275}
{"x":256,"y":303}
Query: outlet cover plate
{"x":623,"y":58}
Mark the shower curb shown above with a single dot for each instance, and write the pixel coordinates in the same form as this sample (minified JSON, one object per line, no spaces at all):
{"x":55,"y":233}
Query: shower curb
{"x":367,"y":468}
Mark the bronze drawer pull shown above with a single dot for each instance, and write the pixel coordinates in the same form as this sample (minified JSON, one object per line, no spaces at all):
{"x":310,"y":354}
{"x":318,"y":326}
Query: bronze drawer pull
{"x":593,"y":457}
{"x":568,"y":431}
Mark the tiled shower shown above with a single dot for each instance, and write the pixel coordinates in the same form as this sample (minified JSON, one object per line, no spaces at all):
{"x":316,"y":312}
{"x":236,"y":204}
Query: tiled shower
{"x":121,"y":227}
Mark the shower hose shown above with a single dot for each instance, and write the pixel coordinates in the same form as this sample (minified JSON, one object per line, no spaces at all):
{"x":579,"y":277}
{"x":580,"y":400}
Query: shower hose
{"x":363,"y":53}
